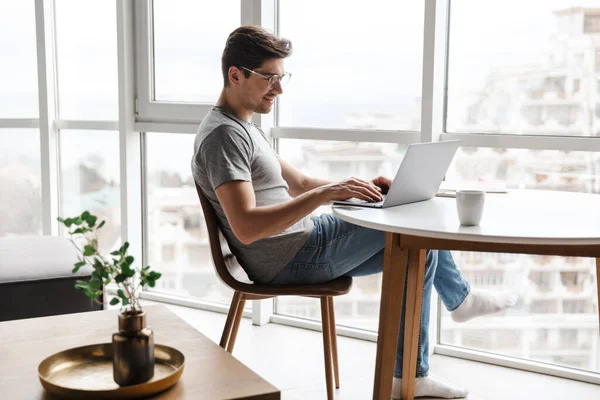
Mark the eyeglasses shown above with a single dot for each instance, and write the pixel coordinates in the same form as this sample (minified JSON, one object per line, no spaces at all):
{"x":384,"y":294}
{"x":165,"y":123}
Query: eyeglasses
{"x":272,"y":79}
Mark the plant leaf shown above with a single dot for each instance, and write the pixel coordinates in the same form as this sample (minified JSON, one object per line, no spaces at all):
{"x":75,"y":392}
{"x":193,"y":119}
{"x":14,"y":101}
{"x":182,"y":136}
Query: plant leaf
{"x":114,"y":301}
{"x":154,"y":275}
{"x":125,"y":301}
{"x":88,"y":250}
{"x":121,"y":294}
{"x":78,"y":265}
{"x":101,"y":225}
{"x":96,"y":283}
{"x":120,"y":278}
{"x":98,"y":264}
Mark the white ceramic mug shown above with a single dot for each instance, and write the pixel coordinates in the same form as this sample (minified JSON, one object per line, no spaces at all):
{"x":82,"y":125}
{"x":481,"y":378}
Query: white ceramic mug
{"x":469,"y":204}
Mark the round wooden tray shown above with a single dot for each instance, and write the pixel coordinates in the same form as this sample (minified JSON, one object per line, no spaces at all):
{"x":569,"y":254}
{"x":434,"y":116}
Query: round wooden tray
{"x":85,"y":372}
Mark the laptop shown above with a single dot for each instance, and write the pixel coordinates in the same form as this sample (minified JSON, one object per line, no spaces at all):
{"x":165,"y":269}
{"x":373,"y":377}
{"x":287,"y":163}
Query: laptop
{"x":418,"y":177}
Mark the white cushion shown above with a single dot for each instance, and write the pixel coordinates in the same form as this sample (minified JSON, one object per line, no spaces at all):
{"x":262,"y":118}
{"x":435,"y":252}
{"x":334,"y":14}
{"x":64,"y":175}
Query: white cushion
{"x":29,"y":258}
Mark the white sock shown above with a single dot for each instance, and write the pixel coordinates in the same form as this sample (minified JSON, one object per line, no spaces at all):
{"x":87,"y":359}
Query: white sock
{"x":482,"y":302}
{"x":430,"y":387}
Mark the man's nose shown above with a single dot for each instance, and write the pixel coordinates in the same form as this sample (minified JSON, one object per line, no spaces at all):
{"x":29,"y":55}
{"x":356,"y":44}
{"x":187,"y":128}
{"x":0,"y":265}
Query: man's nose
{"x":277,"y":88}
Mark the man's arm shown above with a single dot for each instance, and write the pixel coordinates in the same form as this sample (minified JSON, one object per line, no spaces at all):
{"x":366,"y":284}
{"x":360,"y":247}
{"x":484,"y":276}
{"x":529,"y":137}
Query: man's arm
{"x":251,"y":223}
{"x":297,"y":181}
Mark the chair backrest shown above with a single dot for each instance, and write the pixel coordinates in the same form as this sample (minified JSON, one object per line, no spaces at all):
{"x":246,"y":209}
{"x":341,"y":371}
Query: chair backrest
{"x":229,"y":271}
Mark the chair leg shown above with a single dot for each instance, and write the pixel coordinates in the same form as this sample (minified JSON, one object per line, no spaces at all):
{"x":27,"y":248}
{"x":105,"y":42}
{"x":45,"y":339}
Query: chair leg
{"x":230,"y":318}
{"x":236,"y":324}
{"x":327,"y":345}
{"x":334,"y":352}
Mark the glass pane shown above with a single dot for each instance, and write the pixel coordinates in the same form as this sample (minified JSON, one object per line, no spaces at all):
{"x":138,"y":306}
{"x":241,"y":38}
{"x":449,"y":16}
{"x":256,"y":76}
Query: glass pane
{"x":337,"y":161}
{"x":20,"y":180}
{"x":189,"y":37}
{"x":86,"y":46}
{"x":362,"y":70}
{"x":18,"y":61}
{"x":536,"y":78}
{"x":178,"y":244}
{"x":90,"y":180}
{"x":556,"y":318}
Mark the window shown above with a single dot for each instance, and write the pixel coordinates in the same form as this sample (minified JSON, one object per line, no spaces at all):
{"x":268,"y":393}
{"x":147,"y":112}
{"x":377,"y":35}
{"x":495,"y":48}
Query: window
{"x":337,"y":161}
{"x":360,"y":69}
{"x":520,"y":80}
{"x":550,"y":288}
{"x":20,"y":180}
{"x":86,"y":47}
{"x":188,"y":41}
{"x":18,"y":57}
{"x":176,"y":224}
{"x":90,"y":180}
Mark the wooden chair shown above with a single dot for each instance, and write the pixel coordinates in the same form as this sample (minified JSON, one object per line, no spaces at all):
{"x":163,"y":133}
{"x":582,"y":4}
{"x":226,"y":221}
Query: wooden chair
{"x":231,"y":274}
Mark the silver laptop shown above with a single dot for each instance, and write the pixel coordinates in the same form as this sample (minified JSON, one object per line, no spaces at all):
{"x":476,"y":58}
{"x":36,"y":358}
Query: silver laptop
{"x":419,"y":175}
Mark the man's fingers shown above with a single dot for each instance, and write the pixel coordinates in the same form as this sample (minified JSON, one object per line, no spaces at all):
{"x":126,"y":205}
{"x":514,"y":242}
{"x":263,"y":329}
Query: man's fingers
{"x":369,"y":191}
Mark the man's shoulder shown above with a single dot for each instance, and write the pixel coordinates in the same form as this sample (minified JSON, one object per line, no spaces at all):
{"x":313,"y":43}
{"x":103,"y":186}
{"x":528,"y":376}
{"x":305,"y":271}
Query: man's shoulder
{"x":217,"y":127}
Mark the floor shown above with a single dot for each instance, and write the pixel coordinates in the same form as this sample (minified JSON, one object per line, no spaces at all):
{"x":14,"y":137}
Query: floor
{"x":292,"y":360}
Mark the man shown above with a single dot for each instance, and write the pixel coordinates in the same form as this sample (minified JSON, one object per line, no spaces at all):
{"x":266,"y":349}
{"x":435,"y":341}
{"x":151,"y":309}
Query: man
{"x":264,"y":204}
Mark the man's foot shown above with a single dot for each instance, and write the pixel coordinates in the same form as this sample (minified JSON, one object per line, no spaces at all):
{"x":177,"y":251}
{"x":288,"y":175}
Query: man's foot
{"x":482,"y":302}
{"x":431,"y":387}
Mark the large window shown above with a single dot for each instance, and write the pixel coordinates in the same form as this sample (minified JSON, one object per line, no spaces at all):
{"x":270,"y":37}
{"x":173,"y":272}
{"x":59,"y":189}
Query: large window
{"x":20,"y":193}
{"x":359,"y":66}
{"x":524,"y":68}
{"x":86,"y":46}
{"x":188,"y":41}
{"x":90,"y":180}
{"x":18,"y":61}
{"x":178,"y":244}
{"x":337,"y":161}
{"x":556,"y":318}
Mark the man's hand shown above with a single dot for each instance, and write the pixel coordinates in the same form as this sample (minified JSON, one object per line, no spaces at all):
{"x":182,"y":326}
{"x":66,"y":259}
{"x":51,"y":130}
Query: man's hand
{"x":382,"y":183}
{"x":352,"y":187}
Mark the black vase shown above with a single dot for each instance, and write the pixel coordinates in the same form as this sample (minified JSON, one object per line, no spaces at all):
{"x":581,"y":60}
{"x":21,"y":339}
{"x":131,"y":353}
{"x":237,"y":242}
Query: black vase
{"x":133,"y":350}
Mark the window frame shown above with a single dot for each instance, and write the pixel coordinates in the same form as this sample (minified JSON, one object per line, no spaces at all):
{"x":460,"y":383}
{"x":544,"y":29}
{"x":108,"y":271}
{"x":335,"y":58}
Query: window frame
{"x":139,"y":114}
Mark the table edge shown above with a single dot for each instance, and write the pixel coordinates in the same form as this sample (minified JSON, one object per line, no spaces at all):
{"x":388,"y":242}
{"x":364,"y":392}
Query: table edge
{"x":469,"y":237}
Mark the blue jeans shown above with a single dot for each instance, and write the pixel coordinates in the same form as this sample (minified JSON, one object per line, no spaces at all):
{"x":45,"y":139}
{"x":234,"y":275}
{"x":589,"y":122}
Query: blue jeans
{"x":337,"y":248}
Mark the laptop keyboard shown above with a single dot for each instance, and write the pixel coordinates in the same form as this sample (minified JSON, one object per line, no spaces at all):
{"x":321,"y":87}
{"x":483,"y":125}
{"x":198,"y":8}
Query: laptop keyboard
{"x":361,"y":201}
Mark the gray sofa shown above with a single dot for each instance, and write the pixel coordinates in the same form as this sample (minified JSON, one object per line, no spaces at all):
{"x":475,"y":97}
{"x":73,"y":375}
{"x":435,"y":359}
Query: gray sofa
{"x":36,"y":278}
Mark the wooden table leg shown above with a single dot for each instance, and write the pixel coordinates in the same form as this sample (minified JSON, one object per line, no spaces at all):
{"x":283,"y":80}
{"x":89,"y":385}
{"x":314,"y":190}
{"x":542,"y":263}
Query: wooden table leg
{"x":412,"y":323}
{"x":598,"y":287}
{"x":394,"y":275}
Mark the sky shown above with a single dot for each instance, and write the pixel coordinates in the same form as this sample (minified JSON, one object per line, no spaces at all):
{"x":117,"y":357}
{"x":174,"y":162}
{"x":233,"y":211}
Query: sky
{"x":348,"y":56}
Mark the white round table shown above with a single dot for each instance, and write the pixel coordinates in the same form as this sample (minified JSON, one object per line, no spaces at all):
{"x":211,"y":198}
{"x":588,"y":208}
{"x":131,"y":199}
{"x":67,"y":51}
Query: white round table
{"x":520,"y":221}
{"x":521,"y":216}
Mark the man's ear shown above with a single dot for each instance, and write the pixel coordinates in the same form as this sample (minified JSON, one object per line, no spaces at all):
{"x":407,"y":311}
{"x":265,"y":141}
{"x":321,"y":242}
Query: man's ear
{"x":234,"y":75}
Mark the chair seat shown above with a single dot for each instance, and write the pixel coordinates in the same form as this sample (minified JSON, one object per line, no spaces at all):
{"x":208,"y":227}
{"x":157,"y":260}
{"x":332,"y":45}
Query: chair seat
{"x":336,"y":287}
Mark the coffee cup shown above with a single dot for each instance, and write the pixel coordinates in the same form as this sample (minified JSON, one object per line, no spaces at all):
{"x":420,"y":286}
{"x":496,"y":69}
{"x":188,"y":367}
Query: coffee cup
{"x":469,"y":204}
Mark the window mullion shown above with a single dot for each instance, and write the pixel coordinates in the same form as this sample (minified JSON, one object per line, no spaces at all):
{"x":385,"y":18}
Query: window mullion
{"x":46,"y":58}
{"x":260,"y":12}
{"x":129,"y":139}
{"x":434,"y":69}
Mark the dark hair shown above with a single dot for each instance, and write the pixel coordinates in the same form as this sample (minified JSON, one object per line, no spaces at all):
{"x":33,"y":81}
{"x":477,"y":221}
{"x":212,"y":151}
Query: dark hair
{"x":250,"y":46}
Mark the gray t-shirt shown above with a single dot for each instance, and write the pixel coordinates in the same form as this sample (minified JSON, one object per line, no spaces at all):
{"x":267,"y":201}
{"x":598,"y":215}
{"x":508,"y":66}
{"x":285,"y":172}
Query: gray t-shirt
{"x":228,"y":149}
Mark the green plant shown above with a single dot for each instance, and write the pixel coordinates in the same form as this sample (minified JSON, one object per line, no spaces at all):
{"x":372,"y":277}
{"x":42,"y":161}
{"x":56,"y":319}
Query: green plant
{"x":117,"y":267}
